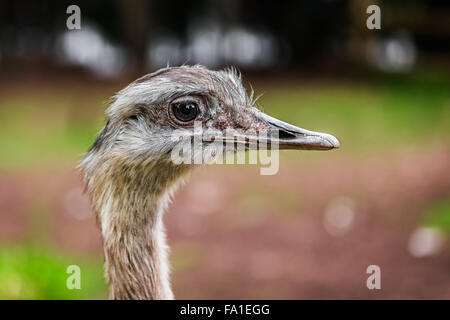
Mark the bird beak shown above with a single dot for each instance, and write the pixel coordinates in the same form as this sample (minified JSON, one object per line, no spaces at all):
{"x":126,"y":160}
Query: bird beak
{"x":288,"y":136}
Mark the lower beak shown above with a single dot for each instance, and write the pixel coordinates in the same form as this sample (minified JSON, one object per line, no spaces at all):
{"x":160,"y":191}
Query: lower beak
{"x":287,"y":136}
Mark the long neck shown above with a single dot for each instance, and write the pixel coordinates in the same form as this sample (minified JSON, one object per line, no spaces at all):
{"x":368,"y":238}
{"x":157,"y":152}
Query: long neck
{"x":130,"y":202}
{"x":136,"y":254}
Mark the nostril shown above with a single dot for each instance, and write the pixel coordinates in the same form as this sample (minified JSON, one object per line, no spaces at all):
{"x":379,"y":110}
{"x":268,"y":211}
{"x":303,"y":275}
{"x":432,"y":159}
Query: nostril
{"x":285,"y":135}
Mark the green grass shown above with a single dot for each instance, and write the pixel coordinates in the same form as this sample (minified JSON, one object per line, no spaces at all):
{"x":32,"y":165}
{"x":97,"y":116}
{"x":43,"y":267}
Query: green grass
{"x":370,"y":115}
{"x":28,"y":272}
{"x":439,"y":216}
{"x":52,"y":126}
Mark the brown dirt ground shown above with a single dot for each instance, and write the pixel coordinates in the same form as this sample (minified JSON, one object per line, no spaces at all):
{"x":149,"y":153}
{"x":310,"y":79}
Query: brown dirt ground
{"x":236,"y":234}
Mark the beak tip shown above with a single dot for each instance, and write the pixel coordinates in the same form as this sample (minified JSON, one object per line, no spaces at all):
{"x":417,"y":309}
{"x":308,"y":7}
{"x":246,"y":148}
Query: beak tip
{"x":331,"y":141}
{"x":335,"y":143}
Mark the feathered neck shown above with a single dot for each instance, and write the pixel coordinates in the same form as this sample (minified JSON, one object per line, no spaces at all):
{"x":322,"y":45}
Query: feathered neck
{"x":130,"y":199}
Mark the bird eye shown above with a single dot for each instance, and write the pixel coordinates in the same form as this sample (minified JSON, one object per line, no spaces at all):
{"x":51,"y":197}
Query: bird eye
{"x":185,"y":111}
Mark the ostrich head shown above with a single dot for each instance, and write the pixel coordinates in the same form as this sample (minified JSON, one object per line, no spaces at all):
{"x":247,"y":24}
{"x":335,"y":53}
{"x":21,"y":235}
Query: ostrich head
{"x":129,"y":172}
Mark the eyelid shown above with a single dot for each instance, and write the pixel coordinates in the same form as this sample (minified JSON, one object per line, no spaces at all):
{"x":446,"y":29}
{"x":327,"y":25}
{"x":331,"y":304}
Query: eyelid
{"x":193,"y":99}
{"x":197,"y":99}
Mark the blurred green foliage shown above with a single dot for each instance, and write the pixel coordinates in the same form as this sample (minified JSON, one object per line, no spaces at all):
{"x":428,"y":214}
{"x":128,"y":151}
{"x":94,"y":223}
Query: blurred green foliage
{"x":438,"y":216}
{"x":377,"y":114}
{"x":29,"y":272}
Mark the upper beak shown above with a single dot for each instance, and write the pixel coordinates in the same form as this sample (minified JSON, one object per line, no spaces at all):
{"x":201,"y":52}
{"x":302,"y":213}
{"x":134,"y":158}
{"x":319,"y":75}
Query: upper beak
{"x":292,"y":137}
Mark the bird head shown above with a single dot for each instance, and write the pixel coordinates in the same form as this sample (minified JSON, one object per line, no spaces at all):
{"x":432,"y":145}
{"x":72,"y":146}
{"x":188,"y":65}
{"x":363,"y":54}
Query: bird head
{"x":147,"y":118}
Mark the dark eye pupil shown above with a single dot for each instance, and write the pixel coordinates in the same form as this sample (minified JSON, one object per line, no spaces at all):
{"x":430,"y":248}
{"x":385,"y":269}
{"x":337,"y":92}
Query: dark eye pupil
{"x":185,"y":111}
{"x":187,"y":108}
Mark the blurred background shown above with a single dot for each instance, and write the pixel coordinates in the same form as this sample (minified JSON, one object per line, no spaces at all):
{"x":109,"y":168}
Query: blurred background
{"x":308,"y":232}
